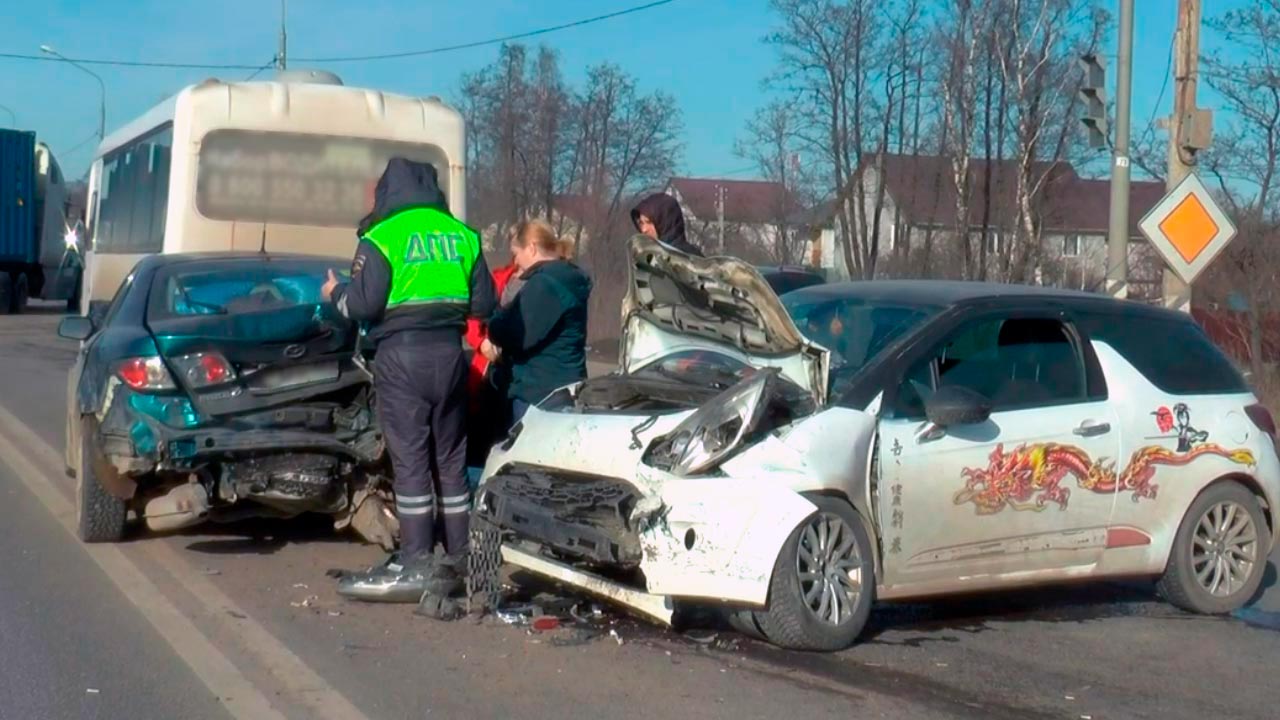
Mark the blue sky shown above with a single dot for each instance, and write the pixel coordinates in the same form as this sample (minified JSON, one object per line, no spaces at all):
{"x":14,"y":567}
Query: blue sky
{"x":707,"y":53}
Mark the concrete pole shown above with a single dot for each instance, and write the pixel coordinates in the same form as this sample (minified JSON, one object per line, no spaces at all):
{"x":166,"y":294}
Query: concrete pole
{"x":1118,"y":228}
{"x":282,"y":55}
{"x":1177,"y":294}
{"x":720,"y":214}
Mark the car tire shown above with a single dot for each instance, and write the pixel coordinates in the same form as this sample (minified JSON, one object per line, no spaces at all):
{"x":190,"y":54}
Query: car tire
{"x":747,"y":622}
{"x":1224,"y":526}
{"x":791,"y":620}
{"x":100,"y":516}
{"x":21,"y":294}
{"x":6,"y":293}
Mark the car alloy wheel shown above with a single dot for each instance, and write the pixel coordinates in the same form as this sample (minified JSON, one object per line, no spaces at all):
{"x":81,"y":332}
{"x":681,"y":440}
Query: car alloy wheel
{"x":1218,"y":556}
{"x":1224,"y":549}
{"x":823,"y":583}
{"x":829,"y":568}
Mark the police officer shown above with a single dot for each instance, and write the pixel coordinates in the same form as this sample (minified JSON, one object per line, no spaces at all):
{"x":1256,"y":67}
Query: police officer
{"x":417,"y":276}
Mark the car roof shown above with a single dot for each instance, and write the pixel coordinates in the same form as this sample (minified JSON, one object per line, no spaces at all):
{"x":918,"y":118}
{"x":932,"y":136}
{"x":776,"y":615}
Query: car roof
{"x":957,"y":292}
{"x":784,"y":269}
{"x":163,"y":261}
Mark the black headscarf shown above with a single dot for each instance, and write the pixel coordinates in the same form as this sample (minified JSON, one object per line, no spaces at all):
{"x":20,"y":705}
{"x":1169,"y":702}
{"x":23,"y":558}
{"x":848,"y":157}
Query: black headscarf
{"x":404,"y":184}
{"x":665,"y":214}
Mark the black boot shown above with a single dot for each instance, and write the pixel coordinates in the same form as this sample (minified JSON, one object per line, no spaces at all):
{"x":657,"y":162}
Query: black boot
{"x":399,"y":580}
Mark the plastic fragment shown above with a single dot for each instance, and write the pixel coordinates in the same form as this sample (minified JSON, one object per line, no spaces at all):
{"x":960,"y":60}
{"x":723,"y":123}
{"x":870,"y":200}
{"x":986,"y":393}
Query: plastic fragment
{"x":545,"y":623}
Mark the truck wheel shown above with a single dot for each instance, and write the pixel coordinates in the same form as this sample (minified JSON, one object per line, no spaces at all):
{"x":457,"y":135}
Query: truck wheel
{"x":21,"y":294}
{"x":100,"y":516}
{"x":6,"y":293}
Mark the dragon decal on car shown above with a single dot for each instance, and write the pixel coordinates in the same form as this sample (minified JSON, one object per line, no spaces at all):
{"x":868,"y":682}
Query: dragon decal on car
{"x":1030,"y":476}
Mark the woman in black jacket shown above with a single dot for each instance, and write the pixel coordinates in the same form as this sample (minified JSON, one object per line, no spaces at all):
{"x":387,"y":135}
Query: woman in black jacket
{"x":543,"y":332}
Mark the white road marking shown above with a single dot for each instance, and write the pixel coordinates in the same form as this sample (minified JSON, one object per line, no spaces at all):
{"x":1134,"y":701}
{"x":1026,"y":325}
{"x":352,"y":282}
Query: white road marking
{"x":38,"y":467}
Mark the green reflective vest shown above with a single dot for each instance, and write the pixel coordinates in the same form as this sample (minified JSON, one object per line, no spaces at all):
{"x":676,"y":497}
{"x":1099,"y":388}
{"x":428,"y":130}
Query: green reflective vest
{"x":431,"y":255}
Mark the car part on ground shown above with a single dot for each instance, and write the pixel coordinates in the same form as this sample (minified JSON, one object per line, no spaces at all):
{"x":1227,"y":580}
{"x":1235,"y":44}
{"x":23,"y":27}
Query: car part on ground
{"x":180,"y":507}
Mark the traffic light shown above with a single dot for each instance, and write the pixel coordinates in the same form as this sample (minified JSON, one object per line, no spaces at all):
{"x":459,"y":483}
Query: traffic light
{"x":1093,"y":93}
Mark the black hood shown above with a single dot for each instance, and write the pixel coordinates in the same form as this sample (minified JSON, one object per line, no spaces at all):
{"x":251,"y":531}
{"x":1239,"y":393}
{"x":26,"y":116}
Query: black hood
{"x":664,"y":211}
{"x":404,"y":184}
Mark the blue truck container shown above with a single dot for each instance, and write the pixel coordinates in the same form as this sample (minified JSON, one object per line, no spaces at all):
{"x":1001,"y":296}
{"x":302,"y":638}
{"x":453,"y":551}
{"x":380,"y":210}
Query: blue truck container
{"x":18,"y":242}
{"x":36,"y":259}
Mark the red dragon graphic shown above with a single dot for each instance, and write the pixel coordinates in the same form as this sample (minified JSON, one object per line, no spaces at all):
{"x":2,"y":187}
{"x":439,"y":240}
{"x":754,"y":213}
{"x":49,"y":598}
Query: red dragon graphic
{"x":1030,"y":477}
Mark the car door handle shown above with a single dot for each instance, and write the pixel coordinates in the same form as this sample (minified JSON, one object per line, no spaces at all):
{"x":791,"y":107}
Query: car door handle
{"x":1088,"y":428}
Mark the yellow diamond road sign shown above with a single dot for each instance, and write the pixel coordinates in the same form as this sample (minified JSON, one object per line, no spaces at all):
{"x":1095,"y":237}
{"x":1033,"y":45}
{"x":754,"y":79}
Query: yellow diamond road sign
{"x":1188,"y":228}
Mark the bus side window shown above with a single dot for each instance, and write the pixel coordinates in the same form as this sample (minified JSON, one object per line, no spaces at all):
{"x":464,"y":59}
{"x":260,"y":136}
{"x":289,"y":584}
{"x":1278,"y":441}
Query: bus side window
{"x":134,"y":189}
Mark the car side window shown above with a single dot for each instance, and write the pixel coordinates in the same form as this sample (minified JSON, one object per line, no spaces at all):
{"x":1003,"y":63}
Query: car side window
{"x":1013,"y":362}
{"x":114,"y":308}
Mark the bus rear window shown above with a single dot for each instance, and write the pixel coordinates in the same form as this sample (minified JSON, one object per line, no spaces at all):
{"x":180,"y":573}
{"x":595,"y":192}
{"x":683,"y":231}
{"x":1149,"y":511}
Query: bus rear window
{"x":294,"y":179}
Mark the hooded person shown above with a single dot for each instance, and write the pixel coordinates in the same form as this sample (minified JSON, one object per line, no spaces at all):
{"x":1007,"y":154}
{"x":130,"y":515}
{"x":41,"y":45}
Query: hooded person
{"x":659,"y":216}
{"x":417,"y":276}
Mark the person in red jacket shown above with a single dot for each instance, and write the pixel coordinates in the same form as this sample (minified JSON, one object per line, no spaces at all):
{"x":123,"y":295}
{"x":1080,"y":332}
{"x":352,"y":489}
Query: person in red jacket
{"x":476,"y":334}
{"x":486,"y":406}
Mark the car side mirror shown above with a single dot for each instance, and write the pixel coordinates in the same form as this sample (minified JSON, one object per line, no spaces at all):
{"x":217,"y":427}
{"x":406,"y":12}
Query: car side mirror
{"x":953,"y":405}
{"x":75,"y":328}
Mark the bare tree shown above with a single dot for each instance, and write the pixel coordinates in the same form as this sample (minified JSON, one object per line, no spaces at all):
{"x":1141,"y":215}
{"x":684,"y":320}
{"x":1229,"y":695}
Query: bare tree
{"x":826,"y":66}
{"x":515,"y":111}
{"x":960,"y":38}
{"x":1244,"y":161}
{"x":624,"y":141}
{"x":1043,"y":36}
{"x":770,"y":142}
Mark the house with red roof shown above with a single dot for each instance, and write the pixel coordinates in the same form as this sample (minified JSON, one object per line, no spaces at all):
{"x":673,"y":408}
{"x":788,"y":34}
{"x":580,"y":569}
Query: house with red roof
{"x":757,"y":217}
{"x":919,"y":205}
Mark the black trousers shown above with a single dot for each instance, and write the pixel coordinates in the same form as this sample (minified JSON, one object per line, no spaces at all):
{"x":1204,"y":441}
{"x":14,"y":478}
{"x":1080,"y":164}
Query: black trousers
{"x":422,"y":408}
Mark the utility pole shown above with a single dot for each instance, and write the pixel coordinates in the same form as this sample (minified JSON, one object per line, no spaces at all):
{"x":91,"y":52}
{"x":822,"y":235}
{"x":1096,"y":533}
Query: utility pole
{"x":1118,"y":227}
{"x":720,"y":214}
{"x":1189,"y":129}
{"x":282,"y":55}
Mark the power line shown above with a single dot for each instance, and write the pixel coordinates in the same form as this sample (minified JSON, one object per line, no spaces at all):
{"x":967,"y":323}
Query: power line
{"x":77,"y":146}
{"x":1168,"y":70}
{"x":255,"y":73}
{"x":129,"y":63}
{"x":357,"y":58}
{"x":492,"y":41}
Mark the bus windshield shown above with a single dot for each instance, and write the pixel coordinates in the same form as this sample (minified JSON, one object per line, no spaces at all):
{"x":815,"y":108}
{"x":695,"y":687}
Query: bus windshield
{"x":297,"y":179}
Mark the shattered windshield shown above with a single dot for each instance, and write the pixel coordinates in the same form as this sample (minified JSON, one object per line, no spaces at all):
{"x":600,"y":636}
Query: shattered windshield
{"x":855,"y":330}
{"x":237,"y":287}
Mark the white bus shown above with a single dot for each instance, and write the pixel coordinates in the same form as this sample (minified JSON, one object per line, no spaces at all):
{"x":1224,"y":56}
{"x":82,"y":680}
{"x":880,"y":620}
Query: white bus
{"x":236,"y":166}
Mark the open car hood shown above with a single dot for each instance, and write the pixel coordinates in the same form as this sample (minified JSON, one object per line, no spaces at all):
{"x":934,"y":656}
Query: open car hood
{"x":678,"y":302}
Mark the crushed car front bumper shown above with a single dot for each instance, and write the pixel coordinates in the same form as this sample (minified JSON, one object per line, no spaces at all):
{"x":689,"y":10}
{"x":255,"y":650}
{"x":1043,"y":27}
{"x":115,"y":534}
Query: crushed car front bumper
{"x":581,"y":517}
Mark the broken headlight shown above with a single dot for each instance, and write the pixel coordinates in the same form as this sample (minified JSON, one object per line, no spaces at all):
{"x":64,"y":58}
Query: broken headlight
{"x":708,"y":436}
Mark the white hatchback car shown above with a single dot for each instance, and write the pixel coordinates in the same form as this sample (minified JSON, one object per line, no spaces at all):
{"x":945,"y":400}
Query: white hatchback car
{"x":795,"y":460}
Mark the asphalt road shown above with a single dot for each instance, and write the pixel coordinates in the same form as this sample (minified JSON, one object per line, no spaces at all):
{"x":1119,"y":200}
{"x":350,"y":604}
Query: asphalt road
{"x":241,"y":621}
